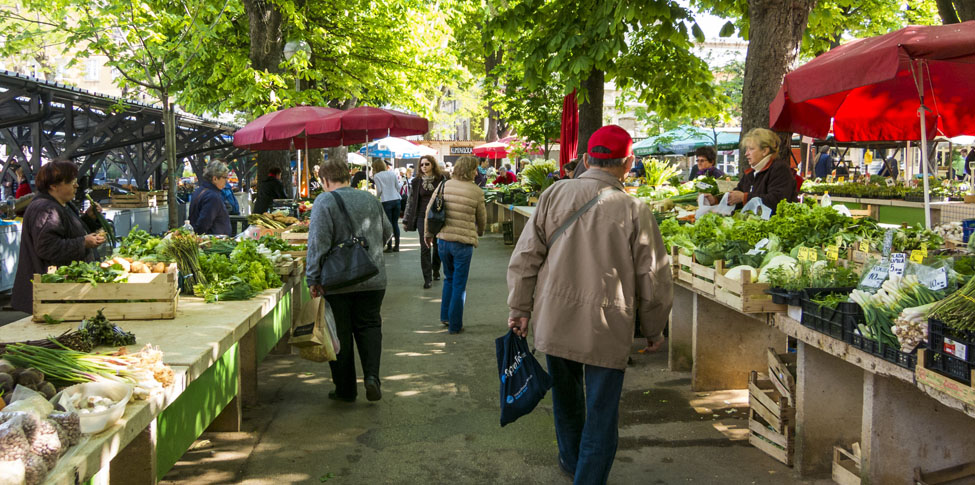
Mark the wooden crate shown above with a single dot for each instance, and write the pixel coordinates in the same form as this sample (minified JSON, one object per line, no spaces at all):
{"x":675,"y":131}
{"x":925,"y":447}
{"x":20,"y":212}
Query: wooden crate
{"x":700,"y":277}
{"x":946,"y":475}
{"x":138,"y":199}
{"x":285,"y":270}
{"x":743,"y":297}
{"x":771,"y":421}
{"x":295,"y":237}
{"x":297,"y":254}
{"x":146,"y":296}
{"x":846,"y":466}
{"x":782,"y":373}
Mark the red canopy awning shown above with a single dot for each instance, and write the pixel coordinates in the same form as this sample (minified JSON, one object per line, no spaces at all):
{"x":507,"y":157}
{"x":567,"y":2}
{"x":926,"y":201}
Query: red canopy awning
{"x":280,"y":129}
{"x":363,"y":123}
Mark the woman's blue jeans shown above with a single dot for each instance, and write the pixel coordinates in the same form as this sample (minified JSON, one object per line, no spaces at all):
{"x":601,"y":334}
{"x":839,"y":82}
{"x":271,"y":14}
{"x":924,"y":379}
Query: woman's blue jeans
{"x":456,"y":258}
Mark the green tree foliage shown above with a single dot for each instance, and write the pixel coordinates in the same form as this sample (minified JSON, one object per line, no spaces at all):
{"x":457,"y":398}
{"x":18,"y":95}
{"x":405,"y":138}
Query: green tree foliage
{"x":534,"y":114}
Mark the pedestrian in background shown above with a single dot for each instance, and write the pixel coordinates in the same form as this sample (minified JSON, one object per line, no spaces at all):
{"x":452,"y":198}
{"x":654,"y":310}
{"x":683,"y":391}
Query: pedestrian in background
{"x":207,"y":212}
{"x":271,"y":188}
{"x":588,"y":265}
{"x":387,"y":189}
{"x":466,"y":217}
{"x":356,"y":308}
{"x":422,"y":189}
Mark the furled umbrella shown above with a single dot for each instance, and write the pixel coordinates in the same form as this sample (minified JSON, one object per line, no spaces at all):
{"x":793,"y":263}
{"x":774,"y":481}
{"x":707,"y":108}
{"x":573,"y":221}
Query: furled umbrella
{"x":876,"y":89}
{"x":569,"y":131}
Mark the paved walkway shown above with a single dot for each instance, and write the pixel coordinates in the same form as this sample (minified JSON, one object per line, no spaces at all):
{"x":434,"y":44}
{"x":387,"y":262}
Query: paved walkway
{"x":438,"y":420}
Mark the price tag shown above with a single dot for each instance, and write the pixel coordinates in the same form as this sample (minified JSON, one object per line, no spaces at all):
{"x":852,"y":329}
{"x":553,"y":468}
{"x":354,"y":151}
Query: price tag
{"x":841,"y":179}
{"x":876,"y":277}
{"x":864,"y":247}
{"x":924,"y":249}
{"x":761,"y":244}
{"x":832,"y":252}
{"x":808,"y":254}
{"x":890,"y":182}
{"x":703,"y":186}
{"x":957,"y":349}
{"x":935,"y":280}
{"x":917,"y":256}
{"x":829,"y":179}
{"x":898,"y":261}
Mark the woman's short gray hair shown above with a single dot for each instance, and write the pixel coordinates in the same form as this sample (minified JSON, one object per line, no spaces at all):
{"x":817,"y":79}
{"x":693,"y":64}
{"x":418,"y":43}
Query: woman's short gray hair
{"x":215,"y":169}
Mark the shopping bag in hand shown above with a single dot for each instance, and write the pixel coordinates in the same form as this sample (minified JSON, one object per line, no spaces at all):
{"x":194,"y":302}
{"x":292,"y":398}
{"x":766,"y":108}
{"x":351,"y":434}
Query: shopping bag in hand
{"x":323,"y":324}
{"x":523,"y":380}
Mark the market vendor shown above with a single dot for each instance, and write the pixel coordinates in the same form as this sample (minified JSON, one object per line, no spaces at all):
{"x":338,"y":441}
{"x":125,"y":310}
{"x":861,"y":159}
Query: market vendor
{"x":207,"y":213}
{"x":768,"y":178}
{"x":271,"y":188}
{"x":706,"y":157}
{"x":53,"y":233}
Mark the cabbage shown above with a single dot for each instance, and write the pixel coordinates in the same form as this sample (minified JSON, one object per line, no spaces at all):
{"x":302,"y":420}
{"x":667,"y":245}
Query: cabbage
{"x":735,"y":273}
{"x":784,"y":262}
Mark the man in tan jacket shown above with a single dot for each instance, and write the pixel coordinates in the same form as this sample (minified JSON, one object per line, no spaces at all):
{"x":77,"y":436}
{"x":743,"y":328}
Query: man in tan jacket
{"x":588,"y":265}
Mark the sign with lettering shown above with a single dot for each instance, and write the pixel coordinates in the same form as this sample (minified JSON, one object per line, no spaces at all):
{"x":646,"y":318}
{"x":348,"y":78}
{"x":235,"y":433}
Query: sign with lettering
{"x":461,"y":150}
{"x":898,"y":261}
{"x":808,"y":254}
{"x":832,"y":252}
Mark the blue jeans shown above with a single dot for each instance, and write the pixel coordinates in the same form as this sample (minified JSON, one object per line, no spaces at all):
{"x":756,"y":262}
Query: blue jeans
{"x":586,"y":417}
{"x":456,"y":258}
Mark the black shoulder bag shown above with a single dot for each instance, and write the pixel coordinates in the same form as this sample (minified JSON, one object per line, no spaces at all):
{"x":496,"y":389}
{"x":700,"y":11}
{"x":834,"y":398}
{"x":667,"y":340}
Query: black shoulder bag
{"x":437,"y":216}
{"x":348,"y":262}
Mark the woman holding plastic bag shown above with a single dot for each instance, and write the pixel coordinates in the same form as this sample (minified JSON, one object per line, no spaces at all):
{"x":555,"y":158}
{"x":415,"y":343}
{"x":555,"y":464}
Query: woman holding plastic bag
{"x":343,"y":217}
{"x":767,"y":177}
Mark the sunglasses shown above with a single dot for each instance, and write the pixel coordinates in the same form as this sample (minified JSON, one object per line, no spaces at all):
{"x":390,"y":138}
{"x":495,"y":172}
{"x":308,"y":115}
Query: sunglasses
{"x":424,"y":164}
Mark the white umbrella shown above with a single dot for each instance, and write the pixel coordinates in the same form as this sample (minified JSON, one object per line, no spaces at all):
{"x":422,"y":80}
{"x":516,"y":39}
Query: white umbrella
{"x":356,"y":159}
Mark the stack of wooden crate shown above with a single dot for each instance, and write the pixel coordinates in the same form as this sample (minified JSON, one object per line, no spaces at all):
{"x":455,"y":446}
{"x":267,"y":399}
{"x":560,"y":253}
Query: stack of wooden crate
{"x":154,"y":198}
{"x":772,"y":411}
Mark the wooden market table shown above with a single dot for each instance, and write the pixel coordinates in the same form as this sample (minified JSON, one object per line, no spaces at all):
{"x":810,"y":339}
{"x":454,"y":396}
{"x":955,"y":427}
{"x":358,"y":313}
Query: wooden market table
{"x":214,"y":350}
{"x":843,"y":395}
{"x":518,"y":215}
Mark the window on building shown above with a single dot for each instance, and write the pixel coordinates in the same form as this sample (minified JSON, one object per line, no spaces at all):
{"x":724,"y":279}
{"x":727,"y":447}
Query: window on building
{"x":91,"y":69}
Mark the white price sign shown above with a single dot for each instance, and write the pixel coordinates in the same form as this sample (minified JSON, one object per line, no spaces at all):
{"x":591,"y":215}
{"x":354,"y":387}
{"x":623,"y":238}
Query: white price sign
{"x":898,"y":261}
{"x":761,"y":244}
{"x":936,"y":280}
{"x":703,"y":186}
{"x":876,"y":277}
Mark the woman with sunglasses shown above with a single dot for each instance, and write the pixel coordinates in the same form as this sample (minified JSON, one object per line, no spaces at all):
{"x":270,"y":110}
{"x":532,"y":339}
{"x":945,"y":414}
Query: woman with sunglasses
{"x":422,"y":187}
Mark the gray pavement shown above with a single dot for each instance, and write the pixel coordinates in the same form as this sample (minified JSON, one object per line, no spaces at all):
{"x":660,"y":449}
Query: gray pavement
{"x":438,"y":419}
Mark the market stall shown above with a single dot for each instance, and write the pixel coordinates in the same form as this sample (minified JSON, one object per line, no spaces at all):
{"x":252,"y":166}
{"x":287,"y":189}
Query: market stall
{"x":238,"y":304}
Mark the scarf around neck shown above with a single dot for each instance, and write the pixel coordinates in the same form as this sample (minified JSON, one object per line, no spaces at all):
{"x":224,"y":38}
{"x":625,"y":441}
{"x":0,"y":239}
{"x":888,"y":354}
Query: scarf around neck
{"x":763,"y":164}
{"x":428,"y":182}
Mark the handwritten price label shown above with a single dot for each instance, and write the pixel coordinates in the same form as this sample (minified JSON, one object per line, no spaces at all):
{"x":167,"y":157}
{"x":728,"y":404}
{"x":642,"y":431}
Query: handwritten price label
{"x":841,"y":179}
{"x":832,"y":252}
{"x":808,"y":254}
{"x":829,"y":179}
{"x":924,"y":249}
{"x":864,"y":247}
{"x":890,"y":182}
{"x":898,"y":261}
{"x":917,"y":256}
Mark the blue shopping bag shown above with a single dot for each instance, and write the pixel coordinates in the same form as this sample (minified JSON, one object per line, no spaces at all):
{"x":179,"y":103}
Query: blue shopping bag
{"x":523,"y":380}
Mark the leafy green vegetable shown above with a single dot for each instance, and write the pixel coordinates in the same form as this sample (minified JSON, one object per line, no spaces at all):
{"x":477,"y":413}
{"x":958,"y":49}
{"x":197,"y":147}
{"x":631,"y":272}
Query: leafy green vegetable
{"x":140,"y":245}
{"x":84,"y":272}
{"x":98,"y":330}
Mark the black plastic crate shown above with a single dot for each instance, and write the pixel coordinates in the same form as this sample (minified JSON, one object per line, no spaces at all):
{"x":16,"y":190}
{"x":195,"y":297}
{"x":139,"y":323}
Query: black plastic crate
{"x":781,"y":296}
{"x":830,"y":321}
{"x":949,"y":367}
{"x":959,"y":344}
{"x":860,"y":342}
{"x":901,"y":359}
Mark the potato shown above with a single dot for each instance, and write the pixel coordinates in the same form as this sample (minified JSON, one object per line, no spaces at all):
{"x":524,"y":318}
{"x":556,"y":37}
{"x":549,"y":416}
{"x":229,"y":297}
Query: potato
{"x":159,"y":268}
{"x":123,"y":263}
{"x":137,"y":267}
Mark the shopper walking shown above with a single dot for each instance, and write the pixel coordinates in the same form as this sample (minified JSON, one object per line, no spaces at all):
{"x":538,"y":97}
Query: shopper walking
{"x":466,"y":217}
{"x":588,"y":265}
{"x":421,"y":191}
{"x":387,"y":189}
{"x":356,"y":308}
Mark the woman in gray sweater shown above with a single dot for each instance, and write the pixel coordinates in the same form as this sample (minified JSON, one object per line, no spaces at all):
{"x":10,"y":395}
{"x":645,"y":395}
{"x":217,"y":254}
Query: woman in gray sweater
{"x":356,"y":308}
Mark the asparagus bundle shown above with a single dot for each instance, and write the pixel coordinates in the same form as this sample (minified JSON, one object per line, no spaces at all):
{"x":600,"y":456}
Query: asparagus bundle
{"x":184,"y":248}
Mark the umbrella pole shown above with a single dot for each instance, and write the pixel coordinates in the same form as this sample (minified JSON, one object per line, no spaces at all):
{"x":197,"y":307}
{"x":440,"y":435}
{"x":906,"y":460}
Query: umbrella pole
{"x":924,"y":149}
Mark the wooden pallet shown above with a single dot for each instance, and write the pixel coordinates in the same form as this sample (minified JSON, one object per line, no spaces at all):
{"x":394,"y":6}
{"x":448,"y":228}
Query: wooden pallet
{"x":846,"y":466}
{"x":700,"y":277}
{"x":743,"y":297}
{"x":146,"y":296}
{"x":771,"y":420}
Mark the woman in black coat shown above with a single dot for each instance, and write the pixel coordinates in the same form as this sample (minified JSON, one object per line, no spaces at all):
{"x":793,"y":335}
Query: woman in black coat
{"x":767,"y":178}
{"x":208,"y":214}
{"x":424,"y":184}
{"x":53,"y":233}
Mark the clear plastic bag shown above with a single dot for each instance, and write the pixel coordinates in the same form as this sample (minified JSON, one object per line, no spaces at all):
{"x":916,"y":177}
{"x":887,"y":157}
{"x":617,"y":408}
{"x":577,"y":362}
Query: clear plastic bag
{"x":704,"y":207}
{"x":30,"y":401}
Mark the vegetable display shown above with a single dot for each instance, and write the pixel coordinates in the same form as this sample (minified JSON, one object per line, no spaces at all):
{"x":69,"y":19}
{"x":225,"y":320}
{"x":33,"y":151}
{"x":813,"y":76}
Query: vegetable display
{"x":271,"y":221}
{"x":882,"y":308}
{"x":540,"y":175}
{"x":85,"y":272}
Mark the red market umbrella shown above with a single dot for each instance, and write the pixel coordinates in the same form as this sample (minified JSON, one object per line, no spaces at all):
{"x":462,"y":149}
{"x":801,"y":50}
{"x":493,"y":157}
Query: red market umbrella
{"x":358,"y":125}
{"x":493,"y":150}
{"x":280,"y":129}
{"x":569,"y":133}
{"x":874,"y":89}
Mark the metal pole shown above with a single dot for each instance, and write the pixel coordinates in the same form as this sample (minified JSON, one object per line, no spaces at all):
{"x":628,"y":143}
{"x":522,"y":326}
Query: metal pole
{"x":924,"y":148}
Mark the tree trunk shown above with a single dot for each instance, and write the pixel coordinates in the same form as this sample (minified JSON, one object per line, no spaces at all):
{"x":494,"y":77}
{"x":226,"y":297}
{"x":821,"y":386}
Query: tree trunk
{"x":169,"y":141}
{"x":965,"y":9}
{"x":775,"y":34}
{"x":591,"y":110}
{"x":266,"y":50}
{"x":493,"y":129}
{"x":947,"y":12}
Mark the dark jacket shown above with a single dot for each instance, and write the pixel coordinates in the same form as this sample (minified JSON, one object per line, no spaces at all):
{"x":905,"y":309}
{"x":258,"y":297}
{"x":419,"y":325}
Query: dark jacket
{"x":51,"y":235}
{"x":357,"y":179}
{"x":207,"y":213}
{"x":418,"y":201}
{"x":824,"y":165}
{"x":268,"y":190}
{"x":714,"y":171}
{"x":773,"y":185}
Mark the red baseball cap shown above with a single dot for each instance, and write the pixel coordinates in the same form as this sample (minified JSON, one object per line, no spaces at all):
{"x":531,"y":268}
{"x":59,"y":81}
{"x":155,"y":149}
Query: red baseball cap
{"x":614,"y":142}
